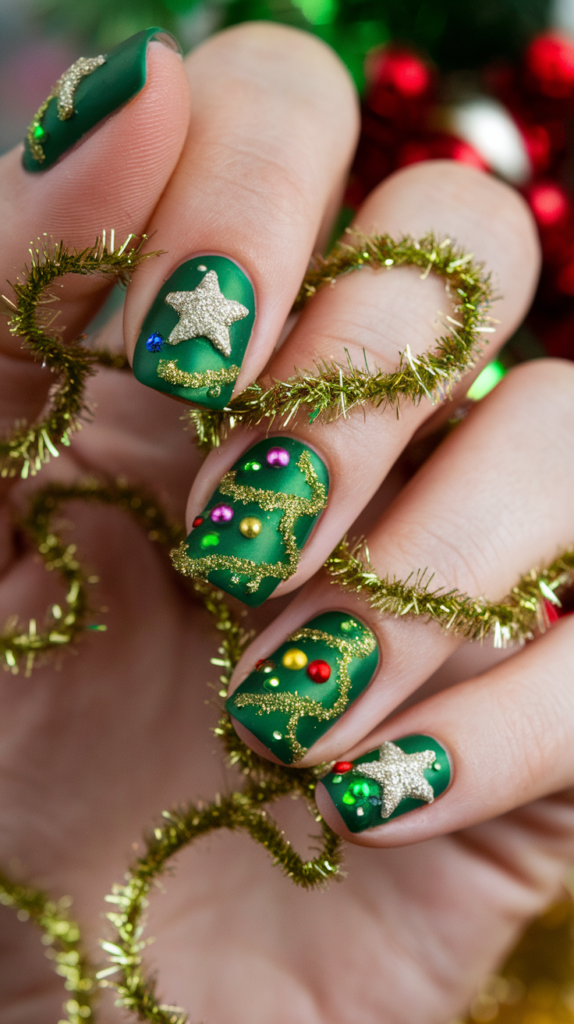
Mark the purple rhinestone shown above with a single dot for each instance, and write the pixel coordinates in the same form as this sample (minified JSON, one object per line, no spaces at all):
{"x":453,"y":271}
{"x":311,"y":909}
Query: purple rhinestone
{"x":278,"y":457}
{"x":221,"y":514}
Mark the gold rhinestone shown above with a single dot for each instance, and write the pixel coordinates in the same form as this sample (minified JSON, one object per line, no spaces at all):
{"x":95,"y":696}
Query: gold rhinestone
{"x":250,"y":527}
{"x":294,"y":659}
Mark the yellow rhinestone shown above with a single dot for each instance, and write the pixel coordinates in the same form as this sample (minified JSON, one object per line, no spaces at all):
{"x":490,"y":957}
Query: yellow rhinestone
{"x":294,"y":659}
{"x":250,"y":527}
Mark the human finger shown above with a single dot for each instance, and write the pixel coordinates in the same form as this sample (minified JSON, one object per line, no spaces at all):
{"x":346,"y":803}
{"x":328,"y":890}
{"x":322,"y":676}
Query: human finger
{"x":495,"y":743}
{"x":104,"y":166}
{"x":254,"y":508}
{"x":474,"y":520}
{"x":272,"y":131}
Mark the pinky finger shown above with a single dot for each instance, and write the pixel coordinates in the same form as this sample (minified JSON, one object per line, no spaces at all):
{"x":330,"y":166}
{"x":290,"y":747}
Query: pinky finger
{"x":484,"y":747}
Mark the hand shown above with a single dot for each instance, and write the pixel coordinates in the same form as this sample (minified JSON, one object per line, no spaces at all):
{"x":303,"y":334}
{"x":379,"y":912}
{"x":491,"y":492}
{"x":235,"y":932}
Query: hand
{"x":93,"y":749}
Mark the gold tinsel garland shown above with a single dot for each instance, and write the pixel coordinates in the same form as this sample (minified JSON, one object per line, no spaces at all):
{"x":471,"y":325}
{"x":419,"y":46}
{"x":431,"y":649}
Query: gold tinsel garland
{"x":32,"y":317}
{"x":61,"y":937}
{"x":330,"y":392}
{"x":513,"y":620}
{"x":334,"y":390}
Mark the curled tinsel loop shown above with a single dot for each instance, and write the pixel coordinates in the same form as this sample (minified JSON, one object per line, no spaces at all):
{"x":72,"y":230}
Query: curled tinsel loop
{"x":61,"y":937}
{"x":244,"y":810}
{"x":20,"y":645}
{"x":513,"y":620}
{"x":31,"y":317}
{"x":334,"y":390}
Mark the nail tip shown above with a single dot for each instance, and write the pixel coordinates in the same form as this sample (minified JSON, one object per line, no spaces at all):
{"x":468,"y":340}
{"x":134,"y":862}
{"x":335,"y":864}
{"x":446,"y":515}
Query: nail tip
{"x":399,"y":775}
{"x":163,"y":35}
{"x":206,"y":309}
{"x":238,"y":541}
{"x":51,"y":135}
{"x":302,"y":689}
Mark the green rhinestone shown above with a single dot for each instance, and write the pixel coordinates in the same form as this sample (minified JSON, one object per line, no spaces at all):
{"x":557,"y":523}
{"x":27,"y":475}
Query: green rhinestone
{"x":40,"y":133}
{"x":436,"y":767}
{"x":337,"y":779}
{"x":348,"y":798}
{"x":348,"y":625}
{"x":277,"y":735}
{"x":210,"y":540}
{"x":253,"y":466}
{"x":360,"y":789}
{"x":270,"y":684}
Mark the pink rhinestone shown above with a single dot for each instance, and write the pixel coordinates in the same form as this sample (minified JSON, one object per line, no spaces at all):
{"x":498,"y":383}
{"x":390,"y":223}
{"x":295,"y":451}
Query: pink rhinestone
{"x":278,"y":457}
{"x":221,"y":514}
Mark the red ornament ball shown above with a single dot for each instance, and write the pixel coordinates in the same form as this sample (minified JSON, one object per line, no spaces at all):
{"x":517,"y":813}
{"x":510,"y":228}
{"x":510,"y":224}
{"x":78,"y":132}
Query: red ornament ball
{"x":197,"y":521}
{"x":340,"y":767}
{"x":549,"y":62}
{"x":319,"y":671}
{"x":549,"y":203}
{"x":401,"y":70}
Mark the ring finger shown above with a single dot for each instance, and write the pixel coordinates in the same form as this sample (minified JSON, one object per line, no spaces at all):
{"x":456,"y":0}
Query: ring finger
{"x":257,"y":499}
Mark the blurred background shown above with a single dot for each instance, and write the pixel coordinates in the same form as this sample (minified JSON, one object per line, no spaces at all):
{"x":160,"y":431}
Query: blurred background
{"x":40,"y":38}
{"x":485,"y":82}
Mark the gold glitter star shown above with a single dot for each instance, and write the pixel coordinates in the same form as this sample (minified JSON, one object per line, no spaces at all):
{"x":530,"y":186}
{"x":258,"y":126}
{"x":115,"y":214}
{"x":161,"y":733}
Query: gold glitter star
{"x":68,"y":83}
{"x":400,"y":775}
{"x":205,"y":313}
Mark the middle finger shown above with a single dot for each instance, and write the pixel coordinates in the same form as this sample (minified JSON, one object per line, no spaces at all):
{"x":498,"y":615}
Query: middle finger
{"x":243,"y":539}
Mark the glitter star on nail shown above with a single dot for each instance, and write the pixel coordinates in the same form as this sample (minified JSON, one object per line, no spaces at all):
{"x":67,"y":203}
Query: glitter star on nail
{"x":68,"y":83}
{"x":205,"y":313}
{"x":400,"y":776}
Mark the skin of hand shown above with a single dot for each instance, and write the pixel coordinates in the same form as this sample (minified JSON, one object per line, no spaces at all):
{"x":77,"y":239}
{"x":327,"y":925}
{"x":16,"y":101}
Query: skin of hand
{"x":92,"y":749}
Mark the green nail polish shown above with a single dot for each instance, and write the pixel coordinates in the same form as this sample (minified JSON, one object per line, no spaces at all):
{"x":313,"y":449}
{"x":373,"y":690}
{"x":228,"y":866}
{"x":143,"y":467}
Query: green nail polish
{"x":194,"y":337}
{"x":258,"y":520}
{"x":92,"y":89}
{"x":299,"y":692}
{"x":387,"y":782}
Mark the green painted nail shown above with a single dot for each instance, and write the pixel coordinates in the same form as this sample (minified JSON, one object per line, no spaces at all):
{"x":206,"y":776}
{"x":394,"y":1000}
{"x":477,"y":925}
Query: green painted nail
{"x":92,"y":89}
{"x":259,"y":519}
{"x":316,"y":675}
{"x":390,"y":781}
{"x":194,"y":337}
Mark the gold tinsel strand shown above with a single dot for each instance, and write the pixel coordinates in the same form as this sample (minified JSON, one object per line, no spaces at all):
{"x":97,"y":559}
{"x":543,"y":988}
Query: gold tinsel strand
{"x":513,"y":620}
{"x":61,"y":937}
{"x":20,"y":646}
{"x":32,"y":317}
{"x":334,"y":390}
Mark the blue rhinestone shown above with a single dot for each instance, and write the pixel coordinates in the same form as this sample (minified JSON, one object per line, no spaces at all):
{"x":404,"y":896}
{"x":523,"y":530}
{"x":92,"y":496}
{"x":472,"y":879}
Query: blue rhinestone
{"x":154,"y":343}
{"x":375,"y":801}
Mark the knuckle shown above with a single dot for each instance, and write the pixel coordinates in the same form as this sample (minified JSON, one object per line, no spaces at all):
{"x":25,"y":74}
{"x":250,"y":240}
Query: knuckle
{"x":456,"y":559}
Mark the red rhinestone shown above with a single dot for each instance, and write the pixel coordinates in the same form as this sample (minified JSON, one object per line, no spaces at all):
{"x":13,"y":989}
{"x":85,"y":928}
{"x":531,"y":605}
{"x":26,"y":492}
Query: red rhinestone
{"x":319,"y":671}
{"x":340,"y":767}
{"x":197,"y":521}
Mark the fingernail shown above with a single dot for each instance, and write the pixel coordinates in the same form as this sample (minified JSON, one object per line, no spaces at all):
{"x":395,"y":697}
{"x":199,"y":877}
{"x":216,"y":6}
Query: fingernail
{"x":388,"y":782}
{"x":299,"y":692}
{"x":194,"y":337}
{"x":250,"y":534}
{"x":90,"y":90}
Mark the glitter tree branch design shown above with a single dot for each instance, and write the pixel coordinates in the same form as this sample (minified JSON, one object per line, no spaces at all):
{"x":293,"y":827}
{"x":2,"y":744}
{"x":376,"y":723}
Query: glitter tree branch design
{"x":292,"y":505}
{"x":297,"y":706}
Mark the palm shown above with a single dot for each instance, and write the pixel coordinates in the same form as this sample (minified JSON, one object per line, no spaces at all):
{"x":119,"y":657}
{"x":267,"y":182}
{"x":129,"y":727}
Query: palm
{"x":91,"y":756}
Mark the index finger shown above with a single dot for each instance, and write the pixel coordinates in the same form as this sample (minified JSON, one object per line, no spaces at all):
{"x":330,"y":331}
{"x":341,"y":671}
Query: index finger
{"x":272,"y":131}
